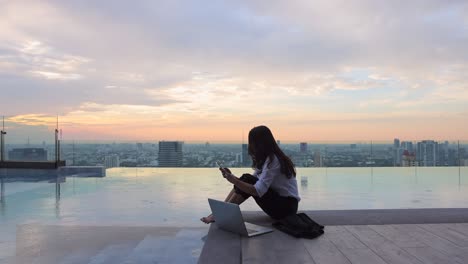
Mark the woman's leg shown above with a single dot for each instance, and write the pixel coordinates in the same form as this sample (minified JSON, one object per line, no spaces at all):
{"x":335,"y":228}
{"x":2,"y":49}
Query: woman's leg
{"x":277,"y":206}
{"x":236,"y":196}
{"x":228,"y":198}
{"x":232,"y":197}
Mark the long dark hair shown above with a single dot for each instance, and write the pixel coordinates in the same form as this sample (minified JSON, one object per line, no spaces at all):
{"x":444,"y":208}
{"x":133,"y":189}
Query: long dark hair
{"x":262,"y":145}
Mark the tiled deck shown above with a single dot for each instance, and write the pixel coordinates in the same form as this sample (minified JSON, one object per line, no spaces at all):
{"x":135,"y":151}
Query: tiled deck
{"x":49,"y":244}
{"x":356,"y":236}
{"x":383,"y":241}
{"x":373,"y":244}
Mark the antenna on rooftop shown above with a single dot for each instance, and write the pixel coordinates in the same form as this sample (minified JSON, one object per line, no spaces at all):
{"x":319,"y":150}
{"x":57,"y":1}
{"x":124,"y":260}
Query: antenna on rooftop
{"x":57,"y":146}
{"x":2,"y":141}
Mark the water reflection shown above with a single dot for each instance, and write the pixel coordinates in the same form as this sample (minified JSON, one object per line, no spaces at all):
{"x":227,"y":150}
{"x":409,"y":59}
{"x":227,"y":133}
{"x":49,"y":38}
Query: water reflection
{"x":2,"y":196}
{"x":59,"y":179}
{"x":34,"y":186}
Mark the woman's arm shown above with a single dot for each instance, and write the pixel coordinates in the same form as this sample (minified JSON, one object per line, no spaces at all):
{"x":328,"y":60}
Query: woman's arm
{"x":243,"y":186}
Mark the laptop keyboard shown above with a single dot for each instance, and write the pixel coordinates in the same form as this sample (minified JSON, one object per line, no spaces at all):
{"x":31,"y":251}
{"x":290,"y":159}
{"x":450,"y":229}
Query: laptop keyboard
{"x":251,"y":231}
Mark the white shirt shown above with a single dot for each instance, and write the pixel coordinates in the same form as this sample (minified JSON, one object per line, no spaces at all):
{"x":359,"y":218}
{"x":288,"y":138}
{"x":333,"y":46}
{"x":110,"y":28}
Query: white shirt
{"x":271,"y":177}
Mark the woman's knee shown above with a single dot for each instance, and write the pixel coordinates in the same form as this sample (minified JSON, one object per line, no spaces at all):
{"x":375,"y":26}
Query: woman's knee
{"x":248,"y":178}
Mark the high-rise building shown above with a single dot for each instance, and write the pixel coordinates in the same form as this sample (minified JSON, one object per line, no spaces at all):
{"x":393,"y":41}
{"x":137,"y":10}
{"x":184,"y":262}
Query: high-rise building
{"x":427,"y":153}
{"x":239,"y":158}
{"x":407,"y":145}
{"x":170,"y":153}
{"x":246,"y":159}
{"x":399,"y":149}
{"x":27,"y":154}
{"x":111,"y":161}
{"x":303,"y":147}
{"x":409,"y":159}
{"x":139,"y":146}
{"x":397,"y":156}
{"x":318,"y":159}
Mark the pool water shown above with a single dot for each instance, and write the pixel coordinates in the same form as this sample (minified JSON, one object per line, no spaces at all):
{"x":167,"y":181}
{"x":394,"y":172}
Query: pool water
{"x":178,"y":196}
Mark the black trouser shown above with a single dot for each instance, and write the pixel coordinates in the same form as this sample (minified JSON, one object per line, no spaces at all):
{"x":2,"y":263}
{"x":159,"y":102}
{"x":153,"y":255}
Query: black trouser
{"x":271,"y":202}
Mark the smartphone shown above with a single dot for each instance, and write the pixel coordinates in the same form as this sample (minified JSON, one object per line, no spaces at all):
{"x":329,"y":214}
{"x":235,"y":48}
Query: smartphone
{"x":220,"y":165}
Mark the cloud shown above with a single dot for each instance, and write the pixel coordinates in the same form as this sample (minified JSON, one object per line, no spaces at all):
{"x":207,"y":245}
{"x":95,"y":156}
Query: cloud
{"x":39,"y":60}
{"x":200,"y":62}
{"x":56,"y":75}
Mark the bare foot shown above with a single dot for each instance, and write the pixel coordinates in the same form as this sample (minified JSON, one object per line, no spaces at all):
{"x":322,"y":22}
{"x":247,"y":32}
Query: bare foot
{"x":208,"y":219}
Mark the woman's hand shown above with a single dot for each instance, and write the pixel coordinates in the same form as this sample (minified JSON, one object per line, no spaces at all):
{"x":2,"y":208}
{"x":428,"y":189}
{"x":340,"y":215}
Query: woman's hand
{"x":246,"y":187}
{"x":228,"y":174}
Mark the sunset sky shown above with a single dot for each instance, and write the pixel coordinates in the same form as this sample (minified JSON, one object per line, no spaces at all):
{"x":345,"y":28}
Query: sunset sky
{"x":211,"y":70}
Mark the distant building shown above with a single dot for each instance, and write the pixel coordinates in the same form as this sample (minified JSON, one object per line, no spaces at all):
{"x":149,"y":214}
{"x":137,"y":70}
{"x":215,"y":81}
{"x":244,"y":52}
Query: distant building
{"x":318,"y":159}
{"x":28,"y":154}
{"x":246,"y":159}
{"x":407,"y":145}
{"x":409,"y":159}
{"x":111,"y":161}
{"x":427,"y":153}
{"x":278,"y":142}
{"x":461,"y":155}
{"x":397,"y":152}
{"x":239,"y":158}
{"x":397,"y":156}
{"x":139,"y":146}
{"x":170,"y":153}
{"x":303,"y":147}
{"x":353,"y":146}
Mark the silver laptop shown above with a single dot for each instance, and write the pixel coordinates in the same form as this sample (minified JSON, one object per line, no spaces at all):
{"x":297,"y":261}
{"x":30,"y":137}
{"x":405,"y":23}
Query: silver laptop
{"x":229,"y":217}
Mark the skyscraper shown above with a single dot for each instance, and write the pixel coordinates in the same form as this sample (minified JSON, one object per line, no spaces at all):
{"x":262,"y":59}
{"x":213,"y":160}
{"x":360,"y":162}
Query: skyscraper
{"x":399,"y":149}
{"x":303,"y":147}
{"x":408,"y":159}
{"x":170,"y":153}
{"x":318,"y":159}
{"x":246,"y":160}
{"x":407,"y":145}
{"x":111,"y":161}
{"x":427,"y":153}
{"x":139,"y":146}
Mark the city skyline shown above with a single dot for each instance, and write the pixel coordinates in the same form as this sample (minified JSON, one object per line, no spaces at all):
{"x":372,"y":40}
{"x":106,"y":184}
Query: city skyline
{"x":170,"y":70}
{"x":426,"y":153}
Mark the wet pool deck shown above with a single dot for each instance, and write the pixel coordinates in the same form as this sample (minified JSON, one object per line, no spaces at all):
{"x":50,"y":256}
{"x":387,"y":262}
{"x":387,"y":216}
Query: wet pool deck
{"x":351,"y":236}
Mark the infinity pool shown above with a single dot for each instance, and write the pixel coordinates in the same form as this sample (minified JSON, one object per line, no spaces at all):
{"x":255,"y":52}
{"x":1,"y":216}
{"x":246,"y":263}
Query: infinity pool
{"x":178,"y":196}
